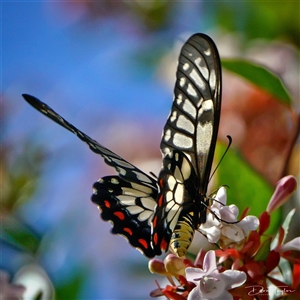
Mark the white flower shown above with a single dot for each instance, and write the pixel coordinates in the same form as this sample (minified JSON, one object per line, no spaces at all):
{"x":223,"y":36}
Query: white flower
{"x":210,"y":284}
{"x":220,"y":223}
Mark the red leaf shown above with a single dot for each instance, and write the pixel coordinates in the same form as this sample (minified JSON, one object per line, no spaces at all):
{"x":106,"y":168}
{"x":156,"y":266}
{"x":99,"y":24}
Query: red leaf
{"x":272,"y":261}
{"x":264,"y":221}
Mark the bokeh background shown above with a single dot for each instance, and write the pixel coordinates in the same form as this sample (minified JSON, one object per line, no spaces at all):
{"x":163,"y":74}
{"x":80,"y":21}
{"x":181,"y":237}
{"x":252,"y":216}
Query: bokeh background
{"x":109,"y":69}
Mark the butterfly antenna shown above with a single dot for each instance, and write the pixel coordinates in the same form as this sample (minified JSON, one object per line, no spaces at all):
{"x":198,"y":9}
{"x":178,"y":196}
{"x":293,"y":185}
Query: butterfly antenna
{"x":151,"y":173}
{"x":228,"y":146}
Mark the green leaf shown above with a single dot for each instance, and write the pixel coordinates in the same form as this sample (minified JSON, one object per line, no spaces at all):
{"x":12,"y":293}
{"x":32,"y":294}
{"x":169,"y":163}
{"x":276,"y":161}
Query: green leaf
{"x":20,"y":235}
{"x":263,"y":251}
{"x":259,"y":76}
{"x":71,"y":287}
{"x":246,"y":187}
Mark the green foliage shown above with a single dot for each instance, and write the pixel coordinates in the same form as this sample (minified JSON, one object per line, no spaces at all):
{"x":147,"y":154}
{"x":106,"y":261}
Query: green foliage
{"x":20,"y":177}
{"x":263,"y":251}
{"x":260,"y":19}
{"x":259,"y":76}
{"x":18,"y":234}
{"x":71,"y":287}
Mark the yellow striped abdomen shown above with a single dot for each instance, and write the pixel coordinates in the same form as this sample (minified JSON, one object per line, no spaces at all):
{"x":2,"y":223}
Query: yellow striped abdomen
{"x":182,"y":235}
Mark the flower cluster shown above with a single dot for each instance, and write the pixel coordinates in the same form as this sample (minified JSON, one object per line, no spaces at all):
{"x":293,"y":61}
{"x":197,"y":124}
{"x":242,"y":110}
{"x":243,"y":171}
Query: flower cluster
{"x":247,"y":265}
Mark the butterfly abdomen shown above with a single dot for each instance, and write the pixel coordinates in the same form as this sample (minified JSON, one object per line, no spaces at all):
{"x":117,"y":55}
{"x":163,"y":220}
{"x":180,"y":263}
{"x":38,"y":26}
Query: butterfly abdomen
{"x":183,"y":234}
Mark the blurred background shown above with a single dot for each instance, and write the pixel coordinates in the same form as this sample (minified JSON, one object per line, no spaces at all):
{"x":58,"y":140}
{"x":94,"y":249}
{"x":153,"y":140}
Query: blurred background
{"x":109,"y":69}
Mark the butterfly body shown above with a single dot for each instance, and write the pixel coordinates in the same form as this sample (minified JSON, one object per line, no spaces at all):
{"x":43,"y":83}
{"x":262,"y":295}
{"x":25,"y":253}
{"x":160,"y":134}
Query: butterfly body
{"x":157,"y":214}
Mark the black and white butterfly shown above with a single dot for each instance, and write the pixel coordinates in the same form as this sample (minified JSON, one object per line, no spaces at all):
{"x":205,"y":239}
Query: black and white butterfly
{"x":156,"y":214}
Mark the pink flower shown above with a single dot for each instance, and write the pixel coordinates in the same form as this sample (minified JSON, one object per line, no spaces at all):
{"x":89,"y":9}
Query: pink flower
{"x":8,"y":290}
{"x":210,"y":284}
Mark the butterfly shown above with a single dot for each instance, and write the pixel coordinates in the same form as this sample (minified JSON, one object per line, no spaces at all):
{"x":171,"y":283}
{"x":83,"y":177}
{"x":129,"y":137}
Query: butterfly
{"x":157,"y":214}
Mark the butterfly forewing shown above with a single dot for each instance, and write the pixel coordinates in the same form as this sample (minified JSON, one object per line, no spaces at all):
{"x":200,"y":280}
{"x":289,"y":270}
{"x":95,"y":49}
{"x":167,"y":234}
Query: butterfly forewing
{"x":190,"y":135}
{"x":192,"y":126}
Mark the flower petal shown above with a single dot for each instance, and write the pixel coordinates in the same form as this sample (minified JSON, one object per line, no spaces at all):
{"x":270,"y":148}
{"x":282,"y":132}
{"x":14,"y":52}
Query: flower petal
{"x":249,"y":223}
{"x":194,"y":274}
{"x":195,"y":294}
{"x":233,"y":278}
{"x":294,"y":244}
{"x":209,"y":262}
{"x":221,"y":195}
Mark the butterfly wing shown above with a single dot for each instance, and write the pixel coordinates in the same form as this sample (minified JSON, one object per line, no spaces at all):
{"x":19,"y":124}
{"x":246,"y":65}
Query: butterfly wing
{"x":130,"y":207}
{"x":125,"y":170}
{"x":127,"y":200}
{"x":177,"y":187}
{"x":189,"y":134}
{"x":192,"y":126}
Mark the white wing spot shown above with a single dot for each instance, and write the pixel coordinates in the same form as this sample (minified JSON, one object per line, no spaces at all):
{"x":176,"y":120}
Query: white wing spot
{"x":212,"y":80}
{"x":185,"y":67}
{"x":173,"y":116}
{"x":184,"y":123}
{"x":169,"y":196}
{"x":179,"y":99}
{"x":189,"y":108}
{"x":171,"y":182}
{"x":179,"y":199}
{"x":123,"y":163}
{"x":126,"y":200}
{"x":182,"y":81}
{"x":172,"y":214}
{"x":178,"y":175}
{"x":122,"y":171}
{"x":191,"y":90}
{"x":185,"y":169}
{"x":141,"y":189}
{"x":145,"y":215}
{"x":114,"y":181}
{"x":167,"y":135}
{"x":182,"y":141}
{"x":135,"y":209}
{"x":148,"y":203}
{"x":207,"y":52}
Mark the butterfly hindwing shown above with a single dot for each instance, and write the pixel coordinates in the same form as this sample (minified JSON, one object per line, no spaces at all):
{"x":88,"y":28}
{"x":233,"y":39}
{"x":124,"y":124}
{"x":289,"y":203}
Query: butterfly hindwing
{"x":131,"y":219}
{"x":178,"y":184}
{"x":130,"y":207}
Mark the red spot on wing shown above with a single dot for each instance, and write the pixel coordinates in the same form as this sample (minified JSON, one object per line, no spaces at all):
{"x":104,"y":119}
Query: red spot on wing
{"x":161,"y":182}
{"x":128,"y":230}
{"x":154,"y":221}
{"x":107,"y":203}
{"x":160,"y":201}
{"x":164,"y":245}
{"x":119,"y":215}
{"x":144,"y":243}
{"x":155,"y":238}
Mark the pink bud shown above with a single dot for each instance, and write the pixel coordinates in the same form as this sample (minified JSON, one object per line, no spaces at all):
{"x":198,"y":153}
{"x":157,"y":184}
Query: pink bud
{"x":284,"y":188}
{"x":157,"y":266}
{"x":175,"y":265}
